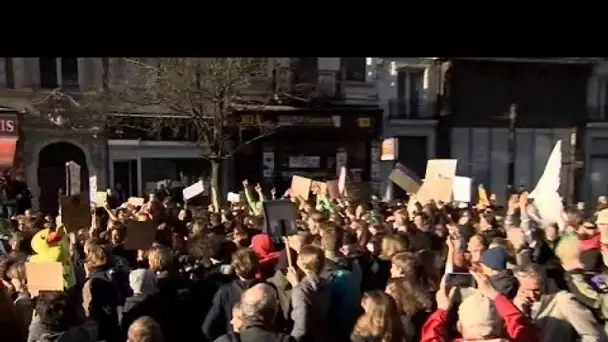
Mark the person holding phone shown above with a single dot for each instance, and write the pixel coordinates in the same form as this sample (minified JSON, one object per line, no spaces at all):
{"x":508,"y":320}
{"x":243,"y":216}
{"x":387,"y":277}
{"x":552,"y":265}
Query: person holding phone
{"x":480,"y":316}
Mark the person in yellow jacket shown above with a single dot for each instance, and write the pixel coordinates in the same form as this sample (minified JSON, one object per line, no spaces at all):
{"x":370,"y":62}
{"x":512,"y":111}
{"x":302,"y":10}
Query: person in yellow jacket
{"x":53,"y":245}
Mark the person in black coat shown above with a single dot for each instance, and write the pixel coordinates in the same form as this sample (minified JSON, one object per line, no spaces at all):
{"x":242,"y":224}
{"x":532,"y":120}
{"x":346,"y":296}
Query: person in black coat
{"x":104,"y":294}
{"x":217,"y":322}
{"x":145,"y":300}
{"x":258,"y":307}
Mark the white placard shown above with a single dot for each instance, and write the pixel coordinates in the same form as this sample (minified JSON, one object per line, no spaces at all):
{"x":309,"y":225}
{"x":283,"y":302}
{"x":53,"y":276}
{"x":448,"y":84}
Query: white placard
{"x":442,"y":168}
{"x":193,"y":190}
{"x":342,"y":180}
{"x":92,"y":188}
{"x":234,"y":197}
{"x":73,"y":173}
{"x":461,"y":189}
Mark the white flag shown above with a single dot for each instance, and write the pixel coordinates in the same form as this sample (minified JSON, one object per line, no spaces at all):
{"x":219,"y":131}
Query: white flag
{"x":546,"y":198}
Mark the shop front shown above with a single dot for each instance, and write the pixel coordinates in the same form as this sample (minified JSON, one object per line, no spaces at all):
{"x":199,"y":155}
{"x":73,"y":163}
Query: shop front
{"x":314,"y":144}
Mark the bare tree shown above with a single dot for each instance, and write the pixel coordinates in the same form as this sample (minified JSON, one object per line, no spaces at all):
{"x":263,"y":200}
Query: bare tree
{"x":210,"y":93}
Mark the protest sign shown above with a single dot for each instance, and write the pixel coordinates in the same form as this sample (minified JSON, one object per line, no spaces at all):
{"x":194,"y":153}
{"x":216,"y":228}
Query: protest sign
{"x":342,"y":180}
{"x":442,"y":168}
{"x":437,"y":189}
{"x":72,"y":173}
{"x":405,"y":178}
{"x":193,"y":190}
{"x":101,"y":199}
{"x":136,"y":201}
{"x":461,"y":188}
{"x":92,"y":188}
{"x":44,"y":276}
{"x":300,"y":186}
{"x":140,"y":235}
{"x":75,"y":212}
{"x":280,"y":218}
{"x":234,"y":197}
{"x":546,"y":197}
{"x":389,"y":149}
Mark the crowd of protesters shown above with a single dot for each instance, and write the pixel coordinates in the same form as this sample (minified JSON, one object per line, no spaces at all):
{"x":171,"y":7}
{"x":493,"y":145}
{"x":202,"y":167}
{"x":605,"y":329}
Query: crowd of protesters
{"x":354,"y":271}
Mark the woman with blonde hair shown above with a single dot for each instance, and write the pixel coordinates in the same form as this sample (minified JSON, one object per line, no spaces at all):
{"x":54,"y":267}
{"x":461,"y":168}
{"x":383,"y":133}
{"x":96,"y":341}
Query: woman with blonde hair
{"x":380,"y":322}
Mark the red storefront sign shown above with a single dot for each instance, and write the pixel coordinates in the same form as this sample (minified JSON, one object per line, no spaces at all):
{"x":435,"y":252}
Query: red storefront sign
{"x":9,"y":133}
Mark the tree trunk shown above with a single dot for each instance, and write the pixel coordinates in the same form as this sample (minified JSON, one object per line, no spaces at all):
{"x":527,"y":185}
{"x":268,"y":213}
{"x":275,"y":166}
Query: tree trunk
{"x":215,"y":184}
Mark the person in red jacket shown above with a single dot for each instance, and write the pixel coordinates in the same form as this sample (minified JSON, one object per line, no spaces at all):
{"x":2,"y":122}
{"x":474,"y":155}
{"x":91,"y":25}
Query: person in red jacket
{"x":263,"y":247}
{"x":479,"y":316}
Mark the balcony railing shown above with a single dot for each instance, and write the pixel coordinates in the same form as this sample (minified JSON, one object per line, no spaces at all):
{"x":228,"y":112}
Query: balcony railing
{"x":402,"y":109}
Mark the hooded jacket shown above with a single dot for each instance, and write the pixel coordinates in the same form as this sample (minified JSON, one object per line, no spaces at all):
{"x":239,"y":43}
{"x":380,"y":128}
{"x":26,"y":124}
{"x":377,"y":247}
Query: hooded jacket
{"x":264,"y":249}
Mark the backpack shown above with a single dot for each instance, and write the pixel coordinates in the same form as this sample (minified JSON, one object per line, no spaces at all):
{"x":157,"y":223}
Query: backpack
{"x":344,"y":293}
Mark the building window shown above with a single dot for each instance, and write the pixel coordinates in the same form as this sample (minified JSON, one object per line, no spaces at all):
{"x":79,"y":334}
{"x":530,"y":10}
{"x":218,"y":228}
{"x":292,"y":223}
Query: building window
{"x":48,"y":72}
{"x":69,"y":72}
{"x":8,"y":70}
{"x":354,"y":68}
{"x":410,"y":101}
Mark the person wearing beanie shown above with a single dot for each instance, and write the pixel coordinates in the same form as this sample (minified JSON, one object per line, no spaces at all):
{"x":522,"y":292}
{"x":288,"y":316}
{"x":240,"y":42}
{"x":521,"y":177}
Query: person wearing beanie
{"x":494,"y":265}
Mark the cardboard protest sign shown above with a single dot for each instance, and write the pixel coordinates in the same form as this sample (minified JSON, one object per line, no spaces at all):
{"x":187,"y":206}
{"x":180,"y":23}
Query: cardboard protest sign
{"x":193,"y":190}
{"x":280,"y":218}
{"x":136,"y":201}
{"x":405,"y":178}
{"x":140,"y":235}
{"x":546,"y":197}
{"x":101,"y":199}
{"x":437,"y":189}
{"x":461,"y":188}
{"x":300,"y":186}
{"x":72,"y":178}
{"x":44,"y":276}
{"x":389,"y":150}
{"x":440,"y":168}
{"x":234,"y":197}
{"x":75,"y":212}
{"x":332,"y":189}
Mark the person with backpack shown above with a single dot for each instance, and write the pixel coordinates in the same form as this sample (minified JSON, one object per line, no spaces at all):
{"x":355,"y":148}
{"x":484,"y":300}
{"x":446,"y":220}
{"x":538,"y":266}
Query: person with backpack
{"x":344,"y":286}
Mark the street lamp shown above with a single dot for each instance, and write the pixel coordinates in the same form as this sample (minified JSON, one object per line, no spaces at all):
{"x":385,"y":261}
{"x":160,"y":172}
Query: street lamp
{"x":511,"y":149}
